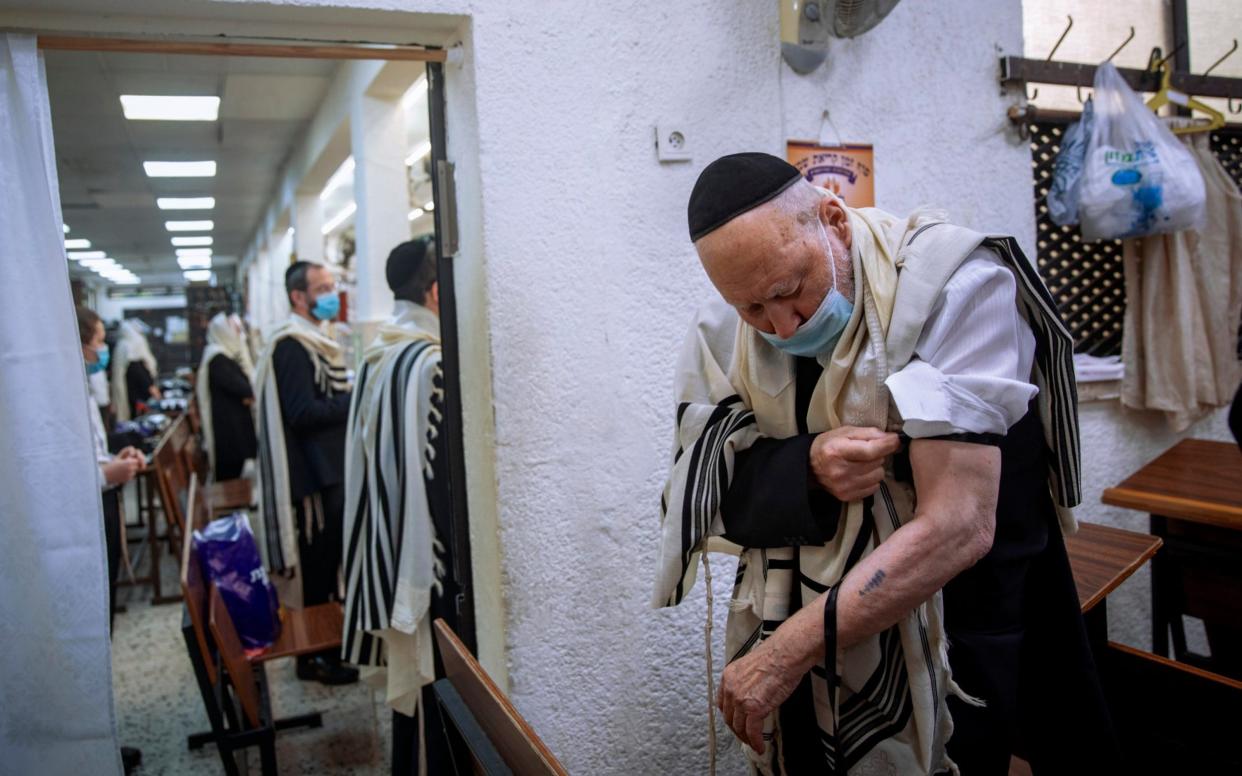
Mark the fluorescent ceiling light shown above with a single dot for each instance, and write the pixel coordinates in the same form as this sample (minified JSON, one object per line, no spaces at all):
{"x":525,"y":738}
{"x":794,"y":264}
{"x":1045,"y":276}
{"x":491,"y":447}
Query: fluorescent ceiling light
{"x":189,"y":226}
{"x":418,"y":89}
{"x":415,"y":213}
{"x":188,"y":242}
{"x":338,"y":178}
{"x":153,"y":107}
{"x":429,"y":206}
{"x":339,"y":218}
{"x":66,"y":227}
{"x":77,"y":245}
{"x":420,"y":149}
{"x":129,"y":281}
{"x":94,"y":265}
{"x":80,"y":255}
{"x":180,"y":169}
{"x":186,"y":203}
{"x":193,"y":252}
{"x":196,"y":275}
{"x":194,"y":262}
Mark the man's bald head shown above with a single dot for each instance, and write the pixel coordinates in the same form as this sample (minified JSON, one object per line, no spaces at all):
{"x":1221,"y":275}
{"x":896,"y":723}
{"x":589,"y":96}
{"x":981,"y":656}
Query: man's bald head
{"x":771,"y":262}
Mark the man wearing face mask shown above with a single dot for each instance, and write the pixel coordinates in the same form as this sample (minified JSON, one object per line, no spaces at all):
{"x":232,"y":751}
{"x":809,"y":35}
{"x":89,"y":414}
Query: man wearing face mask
{"x":303,"y":409}
{"x":879,"y":417}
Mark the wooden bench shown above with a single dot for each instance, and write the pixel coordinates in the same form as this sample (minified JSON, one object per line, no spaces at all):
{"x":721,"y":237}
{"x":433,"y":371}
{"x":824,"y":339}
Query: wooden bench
{"x":230,"y":681}
{"x":498,"y":739}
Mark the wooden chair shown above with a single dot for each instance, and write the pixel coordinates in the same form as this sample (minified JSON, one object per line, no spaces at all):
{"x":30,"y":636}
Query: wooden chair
{"x":214,"y":654}
{"x":221,"y":497}
{"x":499,"y":740}
{"x":172,"y":485}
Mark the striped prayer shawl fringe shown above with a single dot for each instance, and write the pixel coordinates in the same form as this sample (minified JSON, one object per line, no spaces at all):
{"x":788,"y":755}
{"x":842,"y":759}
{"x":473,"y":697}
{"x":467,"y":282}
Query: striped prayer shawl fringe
{"x":393,"y":561}
{"x":277,"y":531}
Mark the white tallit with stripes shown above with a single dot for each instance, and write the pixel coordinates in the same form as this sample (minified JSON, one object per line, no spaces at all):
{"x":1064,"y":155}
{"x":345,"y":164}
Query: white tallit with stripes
{"x":131,"y":346}
{"x":391,"y":562}
{"x":733,"y":388}
{"x":278,"y":538}
{"x":223,"y":339}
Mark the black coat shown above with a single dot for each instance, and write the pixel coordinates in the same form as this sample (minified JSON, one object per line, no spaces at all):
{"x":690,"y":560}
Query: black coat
{"x":314,"y":421}
{"x":232,"y":424}
{"x":138,"y":382}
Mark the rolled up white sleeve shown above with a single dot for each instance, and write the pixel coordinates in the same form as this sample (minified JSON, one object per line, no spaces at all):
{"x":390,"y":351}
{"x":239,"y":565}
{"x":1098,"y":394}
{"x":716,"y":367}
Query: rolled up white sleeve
{"x":971,"y":370}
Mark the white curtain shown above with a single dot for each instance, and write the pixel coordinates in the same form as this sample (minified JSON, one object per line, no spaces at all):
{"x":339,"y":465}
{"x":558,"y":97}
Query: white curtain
{"x":56,"y":714}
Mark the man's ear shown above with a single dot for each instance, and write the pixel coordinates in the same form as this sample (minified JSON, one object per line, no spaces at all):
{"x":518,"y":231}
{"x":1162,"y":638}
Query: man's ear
{"x":433,"y":293}
{"x":832,"y":214}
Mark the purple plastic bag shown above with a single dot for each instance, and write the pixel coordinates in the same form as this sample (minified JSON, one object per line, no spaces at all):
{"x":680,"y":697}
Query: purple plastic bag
{"x":230,"y":559}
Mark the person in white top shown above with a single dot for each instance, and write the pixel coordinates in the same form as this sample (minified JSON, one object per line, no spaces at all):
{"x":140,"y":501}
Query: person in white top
{"x":114,"y":470}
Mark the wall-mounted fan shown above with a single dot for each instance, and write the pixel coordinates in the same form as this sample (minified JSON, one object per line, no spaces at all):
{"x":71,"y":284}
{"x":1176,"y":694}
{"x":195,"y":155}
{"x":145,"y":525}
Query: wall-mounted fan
{"x":806,"y":25}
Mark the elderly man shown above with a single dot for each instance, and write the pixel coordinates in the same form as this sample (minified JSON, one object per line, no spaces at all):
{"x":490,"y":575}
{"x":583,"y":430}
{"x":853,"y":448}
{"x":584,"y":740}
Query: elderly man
{"x":879,"y":417}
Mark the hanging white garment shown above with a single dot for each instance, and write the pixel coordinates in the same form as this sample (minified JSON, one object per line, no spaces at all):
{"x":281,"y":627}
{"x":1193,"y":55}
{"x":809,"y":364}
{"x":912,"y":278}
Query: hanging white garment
{"x":56,"y":715}
{"x":1183,"y":302}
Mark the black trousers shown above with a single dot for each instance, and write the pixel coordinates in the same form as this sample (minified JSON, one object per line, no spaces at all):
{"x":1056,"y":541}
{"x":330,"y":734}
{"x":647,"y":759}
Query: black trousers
{"x":1018,"y":642}
{"x":112,"y":541}
{"x":228,"y":468}
{"x":320,"y":551}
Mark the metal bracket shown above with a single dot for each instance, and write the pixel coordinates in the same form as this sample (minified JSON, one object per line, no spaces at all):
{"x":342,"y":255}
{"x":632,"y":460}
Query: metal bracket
{"x":446,"y":188}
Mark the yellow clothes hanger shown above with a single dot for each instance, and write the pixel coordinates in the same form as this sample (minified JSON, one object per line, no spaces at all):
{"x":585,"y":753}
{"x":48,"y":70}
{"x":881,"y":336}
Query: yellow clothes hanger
{"x":1168,"y":95}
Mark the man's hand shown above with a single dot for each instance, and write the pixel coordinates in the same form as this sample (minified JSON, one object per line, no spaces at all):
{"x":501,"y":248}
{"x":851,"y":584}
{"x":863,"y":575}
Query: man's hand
{"x":754,"y":686}
{"x":133,"y":454}
{"x":848,"y":462}
{"x":120,"y":470}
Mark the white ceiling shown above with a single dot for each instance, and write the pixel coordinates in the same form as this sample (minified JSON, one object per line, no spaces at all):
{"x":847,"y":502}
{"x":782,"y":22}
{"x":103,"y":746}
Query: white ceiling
{"x":106,"y":197}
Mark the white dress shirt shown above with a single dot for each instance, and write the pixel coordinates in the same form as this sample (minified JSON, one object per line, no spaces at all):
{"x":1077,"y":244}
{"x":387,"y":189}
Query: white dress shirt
{"x":971,"y":369}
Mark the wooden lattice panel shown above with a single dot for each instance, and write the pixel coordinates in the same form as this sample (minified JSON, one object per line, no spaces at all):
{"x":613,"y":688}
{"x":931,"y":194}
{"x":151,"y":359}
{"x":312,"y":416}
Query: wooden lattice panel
{"x":1086,"y":278}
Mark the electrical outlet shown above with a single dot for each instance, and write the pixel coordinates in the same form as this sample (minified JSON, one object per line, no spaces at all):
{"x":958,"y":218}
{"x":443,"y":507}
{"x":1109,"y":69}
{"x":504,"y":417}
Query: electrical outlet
{"x":672,"y":143}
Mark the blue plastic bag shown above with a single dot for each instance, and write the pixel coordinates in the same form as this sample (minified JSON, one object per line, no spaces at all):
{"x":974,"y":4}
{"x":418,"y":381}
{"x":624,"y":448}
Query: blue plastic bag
{"x":230,"y":559}
{"x":1067,"y":172}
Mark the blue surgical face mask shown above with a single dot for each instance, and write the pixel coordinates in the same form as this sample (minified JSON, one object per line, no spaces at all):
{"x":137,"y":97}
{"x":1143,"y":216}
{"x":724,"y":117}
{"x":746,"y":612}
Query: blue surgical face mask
{"x":102,"y":356}
{"x":327,"y":306}
{"x":818,"y":334}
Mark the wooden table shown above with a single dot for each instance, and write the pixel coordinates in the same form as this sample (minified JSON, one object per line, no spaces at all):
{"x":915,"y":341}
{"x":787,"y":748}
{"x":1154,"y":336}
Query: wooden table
{"x":1193,"y":493}
{"x":1101,"y":558}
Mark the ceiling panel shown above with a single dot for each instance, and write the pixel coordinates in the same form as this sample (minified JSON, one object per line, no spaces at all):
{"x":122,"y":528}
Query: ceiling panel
{"x":107,"y":197}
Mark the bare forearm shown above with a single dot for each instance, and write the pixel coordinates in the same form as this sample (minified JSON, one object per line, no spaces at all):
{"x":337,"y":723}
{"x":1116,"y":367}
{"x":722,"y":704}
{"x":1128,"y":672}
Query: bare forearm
{"x":903,"y":572}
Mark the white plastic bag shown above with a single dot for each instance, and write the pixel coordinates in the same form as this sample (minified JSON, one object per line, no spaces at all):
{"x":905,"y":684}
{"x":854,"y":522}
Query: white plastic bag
{"x":1139,"y":178}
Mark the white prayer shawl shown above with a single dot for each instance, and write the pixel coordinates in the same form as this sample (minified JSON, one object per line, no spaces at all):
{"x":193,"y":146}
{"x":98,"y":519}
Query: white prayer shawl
{"x":278,"y":538}
{"x":733,"y":388}
{"x":391,"y":562}
{"x":131,"y":346}
{"x":223,"y":339}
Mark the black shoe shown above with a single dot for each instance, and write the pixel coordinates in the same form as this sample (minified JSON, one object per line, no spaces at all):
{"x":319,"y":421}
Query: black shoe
{"x":325,"y":671}
{"x":131,"y":758}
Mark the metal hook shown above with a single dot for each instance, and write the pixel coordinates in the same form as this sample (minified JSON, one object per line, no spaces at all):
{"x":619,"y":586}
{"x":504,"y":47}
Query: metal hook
{"x":1051,"y":54}
{"x":1156,"y":52}
{"x":1228,"y":54}
{"x":1116,"y":51}
{"x":1229,"y":102}
{"x":1126,"y":42}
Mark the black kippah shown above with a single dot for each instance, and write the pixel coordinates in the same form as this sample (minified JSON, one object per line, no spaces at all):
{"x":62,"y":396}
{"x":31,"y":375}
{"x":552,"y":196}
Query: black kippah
{"x":405,"y":260}
{"x":733,"y":184}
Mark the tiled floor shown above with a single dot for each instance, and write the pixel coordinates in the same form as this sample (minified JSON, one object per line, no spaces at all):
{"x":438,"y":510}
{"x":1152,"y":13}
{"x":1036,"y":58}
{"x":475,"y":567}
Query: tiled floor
{"x":158,"y":704}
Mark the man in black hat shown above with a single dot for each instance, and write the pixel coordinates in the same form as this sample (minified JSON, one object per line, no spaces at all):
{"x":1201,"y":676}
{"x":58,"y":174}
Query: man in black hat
{"x":890,"y":443}
{"x":397,"y":485}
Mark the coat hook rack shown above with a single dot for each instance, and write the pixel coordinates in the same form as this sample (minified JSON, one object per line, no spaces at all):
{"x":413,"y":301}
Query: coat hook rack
{"x":1051,"y":54}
